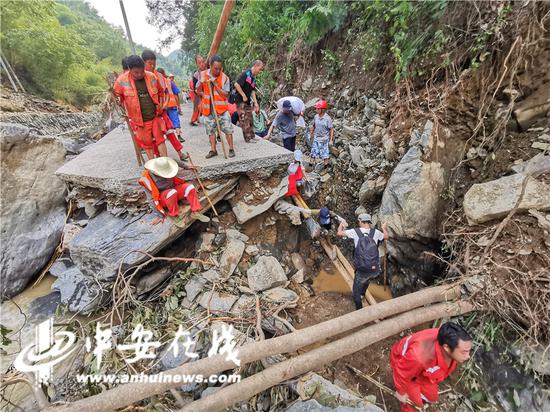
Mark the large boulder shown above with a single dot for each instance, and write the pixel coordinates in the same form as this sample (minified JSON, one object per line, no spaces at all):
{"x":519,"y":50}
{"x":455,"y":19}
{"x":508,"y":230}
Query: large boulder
{"x":495,"y":199}
{"x":33,"y":204}
{"x":412,"y":202}
{"x":267,"y":273}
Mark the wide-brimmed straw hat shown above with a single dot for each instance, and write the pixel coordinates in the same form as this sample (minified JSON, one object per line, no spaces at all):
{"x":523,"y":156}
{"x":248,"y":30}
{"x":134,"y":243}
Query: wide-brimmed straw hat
{"x":163,"y":167}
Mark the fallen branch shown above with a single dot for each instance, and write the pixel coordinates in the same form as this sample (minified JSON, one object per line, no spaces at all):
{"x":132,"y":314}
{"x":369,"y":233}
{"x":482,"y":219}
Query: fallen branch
{"x":226,"y":397}
{"x":123,"y":395}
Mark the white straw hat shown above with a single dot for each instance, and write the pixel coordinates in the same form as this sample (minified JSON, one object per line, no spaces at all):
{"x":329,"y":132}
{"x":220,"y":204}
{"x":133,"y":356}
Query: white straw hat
{"x":163,"y":167}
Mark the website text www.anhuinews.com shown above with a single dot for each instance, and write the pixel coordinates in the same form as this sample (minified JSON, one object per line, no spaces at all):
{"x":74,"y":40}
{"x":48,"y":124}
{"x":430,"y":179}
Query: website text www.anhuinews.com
{"x":157,"y":378}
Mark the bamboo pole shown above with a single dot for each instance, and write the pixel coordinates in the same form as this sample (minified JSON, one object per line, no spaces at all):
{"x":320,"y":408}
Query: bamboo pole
{"x":13,"y":73}
{"x":13,"y":85}
{"x":127,"y":394}
{"x":215,"y":113}
{"x":201,"y":185}
{"x":323,"y":355}
{"x":128,"y":33}
{"x":220,"y":30}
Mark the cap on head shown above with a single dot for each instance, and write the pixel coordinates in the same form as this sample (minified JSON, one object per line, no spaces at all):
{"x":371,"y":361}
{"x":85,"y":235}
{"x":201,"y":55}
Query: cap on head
{"x":171,"y":75}
{"x":298,"y":155}
{"x":287,"y":104}
{"x":163,"y":167}
{"x":321,"y":104}
{"x":324,"y":216}
{"x":365,"y":218}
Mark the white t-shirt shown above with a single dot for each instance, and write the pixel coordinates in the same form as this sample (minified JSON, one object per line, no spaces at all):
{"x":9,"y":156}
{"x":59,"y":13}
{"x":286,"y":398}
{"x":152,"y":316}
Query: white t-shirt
{"x":351,"y":234}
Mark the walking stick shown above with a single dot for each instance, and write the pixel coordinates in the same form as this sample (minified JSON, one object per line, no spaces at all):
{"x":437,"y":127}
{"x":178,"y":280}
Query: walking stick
{"x":202,"y":186}
{"x":137,"y":149}
{"x":216,"y":117}
{"x":385,"y":264}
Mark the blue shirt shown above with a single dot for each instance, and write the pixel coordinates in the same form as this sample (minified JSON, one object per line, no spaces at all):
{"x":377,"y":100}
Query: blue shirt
{"x":285,"y":122}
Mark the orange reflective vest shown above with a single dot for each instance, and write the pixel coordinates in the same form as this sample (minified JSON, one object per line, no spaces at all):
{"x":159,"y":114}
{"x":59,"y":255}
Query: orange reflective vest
{"x":220,"y":102}
{"x":172,"y":98}
{"x":125,"y":89}
{"x":147,"y":182}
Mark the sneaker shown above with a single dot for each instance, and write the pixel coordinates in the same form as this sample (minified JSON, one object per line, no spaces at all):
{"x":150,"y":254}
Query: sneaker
{"x":211,"y":154}
{"x":183,"y":156}
{"x":200,"y":216}
{"x":231,"y":153}
{"x":181,"y":139}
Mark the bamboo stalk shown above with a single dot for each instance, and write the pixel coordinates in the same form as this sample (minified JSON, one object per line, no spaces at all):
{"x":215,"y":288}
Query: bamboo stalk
{"x":202,"y":186}
{"x":126,"y":394}
{"x":323,"y":355}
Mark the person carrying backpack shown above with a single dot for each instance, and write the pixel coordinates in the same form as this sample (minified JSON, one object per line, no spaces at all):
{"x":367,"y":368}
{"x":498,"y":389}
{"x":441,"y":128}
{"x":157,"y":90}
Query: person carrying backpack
{"x":366,"y":257}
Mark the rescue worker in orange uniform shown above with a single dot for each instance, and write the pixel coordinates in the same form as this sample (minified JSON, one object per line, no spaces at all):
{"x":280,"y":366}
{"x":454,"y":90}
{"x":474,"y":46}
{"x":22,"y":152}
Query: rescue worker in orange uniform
{"x":194,"y":84}
{"x":219,"y":82}
{"x":421,"y":360}
{"x":140,"y":94}
{"x":161,"y":181}
{"x":150,"y":60}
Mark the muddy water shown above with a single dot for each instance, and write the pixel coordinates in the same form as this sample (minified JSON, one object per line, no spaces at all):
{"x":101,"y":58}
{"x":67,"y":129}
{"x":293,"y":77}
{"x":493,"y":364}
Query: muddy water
{"x":330,"y":280}
{"x":21,"y":314}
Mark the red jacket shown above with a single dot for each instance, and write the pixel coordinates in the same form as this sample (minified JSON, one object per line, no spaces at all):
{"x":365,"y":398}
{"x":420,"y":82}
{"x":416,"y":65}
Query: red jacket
{"x":417,"y":361}
{"x":125,"y":89}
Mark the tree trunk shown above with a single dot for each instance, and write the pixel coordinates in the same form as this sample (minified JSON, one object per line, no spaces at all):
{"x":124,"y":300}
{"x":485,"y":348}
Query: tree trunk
{"x":228,"y":396}
{"x":222,"y":23}
{"x":132,"y":392}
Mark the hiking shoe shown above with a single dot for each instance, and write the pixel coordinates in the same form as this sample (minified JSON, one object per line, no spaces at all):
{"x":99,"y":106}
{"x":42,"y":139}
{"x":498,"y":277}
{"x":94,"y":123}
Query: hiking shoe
{"x":231,"y":153}
{"x":181,"y":139}
{"x":200,"y":216}
{"x":211,"y":154}
{"x":183,"y":156}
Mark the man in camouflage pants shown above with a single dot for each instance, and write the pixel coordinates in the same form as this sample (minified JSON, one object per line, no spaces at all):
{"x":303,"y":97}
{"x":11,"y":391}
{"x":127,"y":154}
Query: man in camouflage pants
{"x":246,"y":96}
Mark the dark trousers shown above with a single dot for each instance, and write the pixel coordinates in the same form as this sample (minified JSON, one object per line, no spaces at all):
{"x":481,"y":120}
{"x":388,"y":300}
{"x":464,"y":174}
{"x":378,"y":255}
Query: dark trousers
{"x":290,"y":143}
{"x":360,"y":286}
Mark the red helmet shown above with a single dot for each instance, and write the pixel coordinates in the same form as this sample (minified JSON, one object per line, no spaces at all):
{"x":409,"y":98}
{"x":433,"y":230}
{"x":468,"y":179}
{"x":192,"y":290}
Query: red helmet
{"x":321,"y":104}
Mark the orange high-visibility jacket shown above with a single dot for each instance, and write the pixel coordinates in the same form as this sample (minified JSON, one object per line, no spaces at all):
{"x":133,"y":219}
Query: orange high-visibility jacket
{"x":417,"y":360}
{"x":147,"y":182}
{"x":125,"y":89}
{"x":172,"y":98}
{"x":220,"y":102}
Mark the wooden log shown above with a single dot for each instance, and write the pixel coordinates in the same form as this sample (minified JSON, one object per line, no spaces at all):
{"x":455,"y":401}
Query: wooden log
{"x":323,"y":355}
{"x":129,"y":393}
{"x":222,"y":24}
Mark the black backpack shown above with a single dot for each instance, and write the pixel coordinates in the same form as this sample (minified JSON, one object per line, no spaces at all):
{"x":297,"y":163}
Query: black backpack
{"x":366,"y":257}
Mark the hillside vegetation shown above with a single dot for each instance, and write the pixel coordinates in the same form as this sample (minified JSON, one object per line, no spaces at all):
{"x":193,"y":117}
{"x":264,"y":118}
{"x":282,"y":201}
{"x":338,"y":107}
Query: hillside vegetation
{"x":63,"y":50}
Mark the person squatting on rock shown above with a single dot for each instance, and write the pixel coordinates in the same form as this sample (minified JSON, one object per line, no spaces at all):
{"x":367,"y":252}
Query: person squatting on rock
{"x":194,"y":84}
{"x":284,"y":121}
{"x":219,"y":83}
{"x":322,"y":131}
{"x":366,"y":257}
{"x":245,"y":85}
{"x":161,"y":181}
{"x":150,"y":60}
{"x":421,"y":360}
{"x":141,"y":95}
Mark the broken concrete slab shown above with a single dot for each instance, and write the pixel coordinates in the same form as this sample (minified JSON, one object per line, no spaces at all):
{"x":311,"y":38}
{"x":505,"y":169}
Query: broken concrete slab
{"x":107,"y":240}
{"x":495,"y":199}
{"x":267,"y":273}
{"x":110,"y":164}
{"x":245,"y":211}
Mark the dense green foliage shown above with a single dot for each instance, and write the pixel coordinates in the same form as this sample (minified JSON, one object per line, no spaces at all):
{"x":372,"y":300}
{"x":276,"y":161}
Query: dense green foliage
{"x":64,"y":50}
{"x":402,"y":37}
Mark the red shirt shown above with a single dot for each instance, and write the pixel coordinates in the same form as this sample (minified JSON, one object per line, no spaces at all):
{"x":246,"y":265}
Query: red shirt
{"x":417,"y":360}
